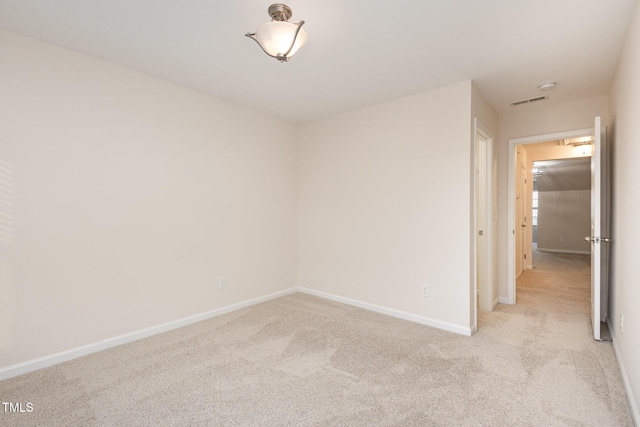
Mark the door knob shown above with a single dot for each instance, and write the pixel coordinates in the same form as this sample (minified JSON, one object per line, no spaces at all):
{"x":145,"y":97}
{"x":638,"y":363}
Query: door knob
{"x":598,"y":239}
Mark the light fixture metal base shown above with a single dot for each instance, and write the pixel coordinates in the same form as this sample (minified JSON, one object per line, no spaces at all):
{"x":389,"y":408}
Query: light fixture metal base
{"x":280,"y":12}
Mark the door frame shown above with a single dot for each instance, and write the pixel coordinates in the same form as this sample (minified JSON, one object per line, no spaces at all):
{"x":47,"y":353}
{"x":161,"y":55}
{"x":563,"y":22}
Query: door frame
{"x":511,"y":200}
{"x":488,"y":291}
{"x":600,"y":227}
{"x":521,"y":179}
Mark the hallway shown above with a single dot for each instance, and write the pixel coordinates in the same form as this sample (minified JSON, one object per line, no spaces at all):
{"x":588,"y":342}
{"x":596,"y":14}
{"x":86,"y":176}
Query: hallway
{"x":572,"y":376}
{"x":559,"y":283}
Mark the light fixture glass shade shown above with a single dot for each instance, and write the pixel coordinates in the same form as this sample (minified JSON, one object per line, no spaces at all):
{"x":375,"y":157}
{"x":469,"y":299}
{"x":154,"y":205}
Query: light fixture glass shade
{"x":277,"y":38}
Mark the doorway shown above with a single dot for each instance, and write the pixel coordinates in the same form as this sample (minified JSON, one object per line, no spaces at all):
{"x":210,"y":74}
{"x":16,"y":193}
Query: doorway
{"x":520,"y":236}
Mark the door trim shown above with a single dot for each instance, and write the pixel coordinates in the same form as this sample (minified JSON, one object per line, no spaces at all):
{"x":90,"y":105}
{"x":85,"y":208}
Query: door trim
{"x":511,"y":200}
{"x":490,"y":219}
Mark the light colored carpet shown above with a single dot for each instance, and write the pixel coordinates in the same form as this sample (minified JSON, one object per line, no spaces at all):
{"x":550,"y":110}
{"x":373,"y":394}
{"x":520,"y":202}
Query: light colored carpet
{"x":305,"y":361}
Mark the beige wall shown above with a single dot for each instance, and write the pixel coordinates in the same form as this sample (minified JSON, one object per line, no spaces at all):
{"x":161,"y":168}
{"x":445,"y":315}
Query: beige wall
{"x":384,"y":204}
{"x":129,"y":196}
{"x":124,"y":197}
{"x":540,"y":121}
{"x":564,"y":219}
{"x":625,"y":144}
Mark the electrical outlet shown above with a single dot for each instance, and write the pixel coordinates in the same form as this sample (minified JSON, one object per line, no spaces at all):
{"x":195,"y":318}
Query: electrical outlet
{"x":425,"y":291}
{"x":222,"y":282}
{"x":621,"y":322}
{"x":562,"y":240}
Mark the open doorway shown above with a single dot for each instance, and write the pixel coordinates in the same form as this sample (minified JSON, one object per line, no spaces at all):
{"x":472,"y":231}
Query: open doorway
{"x":561,"y":205}
{"x":598,"y":237}
{"x":555,"y":210}
{"x":523,"y":152}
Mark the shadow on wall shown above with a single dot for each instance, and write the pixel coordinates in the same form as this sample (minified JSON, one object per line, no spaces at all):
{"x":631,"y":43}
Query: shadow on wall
{"x":7,"y":303}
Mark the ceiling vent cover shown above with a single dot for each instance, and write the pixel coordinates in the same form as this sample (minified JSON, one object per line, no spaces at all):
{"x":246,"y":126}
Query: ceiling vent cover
{"x":529,"y":101}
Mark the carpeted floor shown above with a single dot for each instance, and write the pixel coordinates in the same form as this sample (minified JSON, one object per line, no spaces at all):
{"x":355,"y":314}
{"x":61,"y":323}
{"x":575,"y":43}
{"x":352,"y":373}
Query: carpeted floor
{"x":304,"y":361}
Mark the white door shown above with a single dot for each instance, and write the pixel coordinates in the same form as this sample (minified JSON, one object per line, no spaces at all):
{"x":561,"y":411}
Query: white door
{"x":523,"y":218}
{"x":481,"y":221}
{"x":599,"y":228}
{"x":485,"y":248}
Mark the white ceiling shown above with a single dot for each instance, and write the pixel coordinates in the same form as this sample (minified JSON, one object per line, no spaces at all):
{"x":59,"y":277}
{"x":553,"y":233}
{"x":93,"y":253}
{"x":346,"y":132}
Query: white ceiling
{"x":359,"y":52}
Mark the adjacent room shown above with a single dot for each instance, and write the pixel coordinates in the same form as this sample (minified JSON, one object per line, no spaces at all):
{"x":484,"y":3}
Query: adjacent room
{"x":199,"y":226}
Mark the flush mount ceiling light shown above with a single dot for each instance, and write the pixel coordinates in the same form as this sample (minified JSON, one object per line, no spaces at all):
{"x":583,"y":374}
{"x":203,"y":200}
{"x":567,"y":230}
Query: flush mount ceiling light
{"x":279,"y":38}
{"x":581,"y":140}
{"x":547,"y":86}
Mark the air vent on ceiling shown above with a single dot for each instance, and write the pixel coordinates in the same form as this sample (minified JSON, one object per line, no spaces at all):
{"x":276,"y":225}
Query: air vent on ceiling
{"x":528,"y":101}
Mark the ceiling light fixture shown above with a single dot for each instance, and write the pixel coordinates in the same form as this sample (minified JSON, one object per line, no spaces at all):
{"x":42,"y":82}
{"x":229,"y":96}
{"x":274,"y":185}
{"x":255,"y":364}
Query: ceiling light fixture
{"x":581,"y":140}
{"x":547,"y":86}
{"x":279,"y":38}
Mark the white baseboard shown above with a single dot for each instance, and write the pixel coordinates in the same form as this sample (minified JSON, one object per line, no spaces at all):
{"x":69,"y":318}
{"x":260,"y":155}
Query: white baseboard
{"x":627,"y":384}
{"x":54,"y":359}
{"x":390,"y":312}
{"x":503,"y":300}
{"x":564,"y":251}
